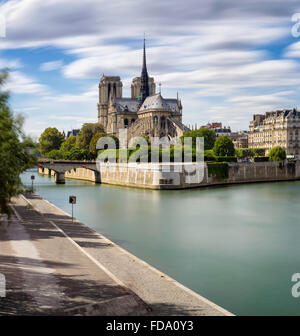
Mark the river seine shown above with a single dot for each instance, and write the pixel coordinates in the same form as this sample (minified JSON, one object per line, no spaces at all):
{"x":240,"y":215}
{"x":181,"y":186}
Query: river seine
{"x":237,"y":245}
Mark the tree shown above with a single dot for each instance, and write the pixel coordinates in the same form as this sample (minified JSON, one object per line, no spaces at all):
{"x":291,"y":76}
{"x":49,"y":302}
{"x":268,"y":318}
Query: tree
{"x":93,"y":143}
{"x":54,"y":154}
{"x":224,"y":147}
{"x":50,"y":139}
{"x":209,"y":136}
{"x":77,"y":154}
{"x":277,"y":154}
{"x":68,"y":144}
{"x":86,"y":133}
{"x":15,"y":151}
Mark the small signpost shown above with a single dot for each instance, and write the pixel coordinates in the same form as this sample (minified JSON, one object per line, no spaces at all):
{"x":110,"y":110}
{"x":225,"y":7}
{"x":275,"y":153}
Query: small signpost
{"x":72,"y":200}
{"x":32,"y":179}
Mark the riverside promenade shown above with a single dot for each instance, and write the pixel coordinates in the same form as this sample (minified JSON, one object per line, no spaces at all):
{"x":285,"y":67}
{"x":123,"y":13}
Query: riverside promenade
{"x":55,"y":267}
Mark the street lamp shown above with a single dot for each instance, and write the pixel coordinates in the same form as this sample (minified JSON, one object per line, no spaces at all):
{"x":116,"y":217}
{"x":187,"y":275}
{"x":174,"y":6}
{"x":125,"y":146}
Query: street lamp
{"x":32,"y":179}
{"x":72,"y":200}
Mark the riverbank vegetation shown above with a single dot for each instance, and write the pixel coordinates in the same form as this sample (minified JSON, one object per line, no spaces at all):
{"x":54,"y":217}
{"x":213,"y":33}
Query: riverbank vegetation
{"x":16,"y":151}
{"x":54,"y":145}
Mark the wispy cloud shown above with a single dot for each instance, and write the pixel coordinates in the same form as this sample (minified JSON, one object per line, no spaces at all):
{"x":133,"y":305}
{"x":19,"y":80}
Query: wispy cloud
{"x":19,"y":83}
{"x":218,"y":48}
{"x":50,"y":66}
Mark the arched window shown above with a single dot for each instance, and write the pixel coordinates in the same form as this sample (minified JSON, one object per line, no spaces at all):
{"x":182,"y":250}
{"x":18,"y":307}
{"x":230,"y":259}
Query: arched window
{"x":132,"y":121}
{"x":155,"y":120}
{"x":108,"y":91}
{"x":125,"y":123}
{"x":163,"y":122}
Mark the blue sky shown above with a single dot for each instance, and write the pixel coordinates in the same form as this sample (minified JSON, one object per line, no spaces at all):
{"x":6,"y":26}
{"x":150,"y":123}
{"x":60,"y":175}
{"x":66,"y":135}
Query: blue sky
{"x":227,"y":59}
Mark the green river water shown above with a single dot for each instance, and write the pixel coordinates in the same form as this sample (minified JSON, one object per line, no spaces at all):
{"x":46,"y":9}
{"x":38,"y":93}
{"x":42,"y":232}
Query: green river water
{"x":238,"y":245}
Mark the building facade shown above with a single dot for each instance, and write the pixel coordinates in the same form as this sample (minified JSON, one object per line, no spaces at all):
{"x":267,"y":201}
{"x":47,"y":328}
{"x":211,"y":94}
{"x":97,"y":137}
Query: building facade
{"x":219,"y":129}
{"x":145,"y":113}
{"x":278,"y":128}
{"x":239,"y":139}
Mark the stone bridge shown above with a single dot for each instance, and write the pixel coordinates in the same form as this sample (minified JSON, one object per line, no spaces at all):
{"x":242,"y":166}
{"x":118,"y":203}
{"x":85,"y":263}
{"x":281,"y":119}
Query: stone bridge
{"x":60,"y":167}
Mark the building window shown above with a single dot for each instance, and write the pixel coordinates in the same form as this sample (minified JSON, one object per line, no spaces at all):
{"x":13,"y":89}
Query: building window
{"x":125,"y":123}
{"x":163,"y":122}
{"x":132,"y":121}
{"x":155,"y":119}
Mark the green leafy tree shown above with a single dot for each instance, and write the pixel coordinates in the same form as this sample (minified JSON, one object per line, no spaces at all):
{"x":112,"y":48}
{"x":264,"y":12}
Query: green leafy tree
{"x":93,"y":143}
{"x":244,"y":152}
{"x":209,"y":136}
{"x":68,"y":144}
{"x":86,"y":133}
{"x":54,"y":154}
{"x":277,"y":154}
{"x":224,"y":147}
{"x":96,"y":137}
{"x":50,"y":139}
{"x":15,"y":151}
{"x":78,"y":154}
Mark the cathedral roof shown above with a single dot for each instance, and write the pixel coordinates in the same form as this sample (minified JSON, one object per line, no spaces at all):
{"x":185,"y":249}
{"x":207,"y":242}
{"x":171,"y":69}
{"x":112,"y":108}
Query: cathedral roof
{"x":173,"y":103}
{"x":155,"y":102}
{"x":127,"y":105}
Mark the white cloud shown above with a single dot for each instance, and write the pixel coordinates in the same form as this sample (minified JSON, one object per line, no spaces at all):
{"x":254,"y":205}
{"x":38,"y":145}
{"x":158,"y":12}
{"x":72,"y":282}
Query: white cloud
{"x":72,"y":118}
{"x":50,"y":66}
{"x":19,"y":83}
{"x":212,"y":48}
{"x":293,"y":50}
{"x":10,"y":63}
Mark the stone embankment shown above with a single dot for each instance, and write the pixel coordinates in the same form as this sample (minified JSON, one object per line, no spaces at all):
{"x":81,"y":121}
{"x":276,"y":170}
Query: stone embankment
{"x":54,"y":266}
{"x":176,"y":176}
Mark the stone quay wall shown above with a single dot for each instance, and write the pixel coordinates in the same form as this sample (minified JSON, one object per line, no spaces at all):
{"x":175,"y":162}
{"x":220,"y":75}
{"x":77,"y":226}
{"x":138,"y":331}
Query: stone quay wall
{"x":179,"y":176}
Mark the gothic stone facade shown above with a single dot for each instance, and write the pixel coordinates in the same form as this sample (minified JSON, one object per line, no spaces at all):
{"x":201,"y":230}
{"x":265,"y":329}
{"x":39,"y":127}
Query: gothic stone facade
{"x":145,"y":113}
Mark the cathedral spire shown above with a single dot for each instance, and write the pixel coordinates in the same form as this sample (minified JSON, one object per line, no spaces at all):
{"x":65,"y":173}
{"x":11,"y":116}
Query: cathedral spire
{"x":144,"y":77}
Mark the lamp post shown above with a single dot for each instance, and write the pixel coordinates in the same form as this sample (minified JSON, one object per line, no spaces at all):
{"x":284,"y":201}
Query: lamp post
{"x":72,"y":200}
{"x":32,"y":179}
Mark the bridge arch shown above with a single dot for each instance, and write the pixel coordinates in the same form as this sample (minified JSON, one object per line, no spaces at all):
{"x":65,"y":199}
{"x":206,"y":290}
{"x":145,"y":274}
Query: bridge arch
{"x":61,"y":167}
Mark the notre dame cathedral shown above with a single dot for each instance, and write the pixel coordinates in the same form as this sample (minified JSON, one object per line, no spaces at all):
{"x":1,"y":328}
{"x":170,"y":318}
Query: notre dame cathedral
{"x":146,"y":113}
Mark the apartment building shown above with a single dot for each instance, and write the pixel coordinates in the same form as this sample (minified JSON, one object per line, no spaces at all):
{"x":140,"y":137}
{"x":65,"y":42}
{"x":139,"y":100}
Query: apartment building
{"x":277,"y":128}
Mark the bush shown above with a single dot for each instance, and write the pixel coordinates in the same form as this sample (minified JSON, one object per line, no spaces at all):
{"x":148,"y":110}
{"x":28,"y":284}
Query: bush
{"x":249,"y":152}
{"x":277,"y":154}
{"x":209,"y":155}
{"x":226,"y":159}
{"x":218,"y":169}
{"x":259,"y":151}
{"x":261,"y":159}
{"x":244,"y":152}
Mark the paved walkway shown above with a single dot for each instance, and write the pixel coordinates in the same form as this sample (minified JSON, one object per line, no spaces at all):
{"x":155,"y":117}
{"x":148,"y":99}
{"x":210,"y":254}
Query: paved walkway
{"x":54,"y":267}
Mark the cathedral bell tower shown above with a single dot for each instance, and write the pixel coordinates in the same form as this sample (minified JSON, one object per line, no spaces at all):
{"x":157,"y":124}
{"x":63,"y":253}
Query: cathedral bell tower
{"x":108,"y":86}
